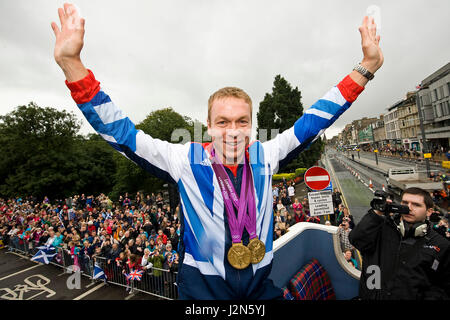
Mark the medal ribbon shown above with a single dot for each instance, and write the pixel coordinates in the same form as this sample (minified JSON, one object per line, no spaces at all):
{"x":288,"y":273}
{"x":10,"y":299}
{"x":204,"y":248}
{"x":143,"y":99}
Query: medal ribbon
{"x":230,"y":197}
{"x":250,"y":221}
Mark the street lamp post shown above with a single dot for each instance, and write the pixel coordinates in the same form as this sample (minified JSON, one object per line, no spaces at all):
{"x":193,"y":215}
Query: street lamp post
{"x":422,"y":129}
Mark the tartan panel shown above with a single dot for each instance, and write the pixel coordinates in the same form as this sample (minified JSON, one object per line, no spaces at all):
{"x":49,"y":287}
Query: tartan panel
{"x":312,"y":283}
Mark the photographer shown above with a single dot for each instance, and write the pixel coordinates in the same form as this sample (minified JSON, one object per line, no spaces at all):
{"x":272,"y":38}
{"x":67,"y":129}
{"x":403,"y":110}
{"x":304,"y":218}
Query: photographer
{"x":343,"y":232}
{"x":442,"y":228}
{"x":345,"y":216}
{"x":411,"y":258}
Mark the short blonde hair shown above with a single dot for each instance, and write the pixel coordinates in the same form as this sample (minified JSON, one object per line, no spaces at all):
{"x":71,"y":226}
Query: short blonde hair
{"x":229,"y":92}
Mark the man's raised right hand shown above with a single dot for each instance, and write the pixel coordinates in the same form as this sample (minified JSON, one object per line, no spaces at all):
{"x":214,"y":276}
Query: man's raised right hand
{"x":69,"y":42}
{"x":69,"y":39}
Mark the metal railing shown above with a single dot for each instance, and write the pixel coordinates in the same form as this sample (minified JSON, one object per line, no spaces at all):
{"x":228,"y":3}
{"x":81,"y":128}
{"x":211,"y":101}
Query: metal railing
{"x":160,"y":283}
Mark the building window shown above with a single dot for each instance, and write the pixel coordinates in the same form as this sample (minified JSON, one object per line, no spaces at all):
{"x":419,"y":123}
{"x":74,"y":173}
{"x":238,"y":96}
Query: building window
{"x":446,"y":108}
{"x":441,"y":92}
{"x":439,"y":110}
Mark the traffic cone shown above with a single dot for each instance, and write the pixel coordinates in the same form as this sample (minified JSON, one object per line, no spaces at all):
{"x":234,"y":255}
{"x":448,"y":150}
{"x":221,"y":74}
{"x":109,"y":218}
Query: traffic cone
{"x":370,"y":184}
{"x":384,"y":189}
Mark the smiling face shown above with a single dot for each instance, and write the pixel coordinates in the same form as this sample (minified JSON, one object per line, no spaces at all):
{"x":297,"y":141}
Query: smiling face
{"x":229,"y":125}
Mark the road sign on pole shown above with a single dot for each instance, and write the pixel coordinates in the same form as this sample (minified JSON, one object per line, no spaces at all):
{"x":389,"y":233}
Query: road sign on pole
{"x":320,"y":203}
{"x":317,"y":178}
{"x":330,"y":187}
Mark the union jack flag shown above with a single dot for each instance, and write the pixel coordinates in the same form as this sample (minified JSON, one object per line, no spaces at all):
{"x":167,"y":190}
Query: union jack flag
{"x":135,"y":275}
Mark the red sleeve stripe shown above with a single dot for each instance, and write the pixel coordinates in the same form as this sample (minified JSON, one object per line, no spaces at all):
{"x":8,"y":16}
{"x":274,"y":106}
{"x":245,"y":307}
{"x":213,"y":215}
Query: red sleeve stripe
{"x":84,"y":90}
{"x":349,"y":89}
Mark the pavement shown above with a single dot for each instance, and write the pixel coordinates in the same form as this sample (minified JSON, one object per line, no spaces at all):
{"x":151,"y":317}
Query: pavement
{"x":368,"y":170}
{"x":380,"y":167}
{"x":23,"y":279}
{"x":357,"y":196}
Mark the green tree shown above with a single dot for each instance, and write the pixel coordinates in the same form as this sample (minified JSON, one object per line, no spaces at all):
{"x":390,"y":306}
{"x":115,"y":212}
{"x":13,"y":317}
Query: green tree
{"x":43,"y":155}
{"x":280,"y":110}
{"x":95,"y":165}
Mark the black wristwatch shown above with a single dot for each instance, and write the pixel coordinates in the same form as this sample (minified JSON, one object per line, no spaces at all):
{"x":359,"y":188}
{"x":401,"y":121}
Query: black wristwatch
{"x":366,"y":73}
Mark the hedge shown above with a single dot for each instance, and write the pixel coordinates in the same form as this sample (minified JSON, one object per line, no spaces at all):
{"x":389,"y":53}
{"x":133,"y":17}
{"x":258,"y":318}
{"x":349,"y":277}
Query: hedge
{"x":289,"y":176}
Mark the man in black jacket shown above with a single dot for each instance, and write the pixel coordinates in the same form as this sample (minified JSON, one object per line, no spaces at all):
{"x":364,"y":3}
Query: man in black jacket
{"x":405,"y":259}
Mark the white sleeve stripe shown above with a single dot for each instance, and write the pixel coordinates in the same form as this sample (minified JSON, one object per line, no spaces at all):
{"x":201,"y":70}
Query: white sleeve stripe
{"x":108,"y":137}
{"x":319,"y":113}
{"x":334,"y":95}
{"x":109,"y":113}
{"x":205,"y":268}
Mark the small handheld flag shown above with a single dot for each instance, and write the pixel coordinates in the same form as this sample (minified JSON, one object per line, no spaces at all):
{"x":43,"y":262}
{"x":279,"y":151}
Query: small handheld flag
{"x":134,"y":275}
{"x":98,"y":273}
{"x":45,"y":255}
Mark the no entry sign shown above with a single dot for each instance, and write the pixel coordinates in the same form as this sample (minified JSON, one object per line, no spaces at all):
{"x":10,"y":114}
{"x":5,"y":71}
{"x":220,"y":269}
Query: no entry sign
{"x":317,"y":178}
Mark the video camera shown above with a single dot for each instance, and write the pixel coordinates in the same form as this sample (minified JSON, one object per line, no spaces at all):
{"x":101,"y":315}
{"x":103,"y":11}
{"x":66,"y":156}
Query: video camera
{"x":380,"y":203}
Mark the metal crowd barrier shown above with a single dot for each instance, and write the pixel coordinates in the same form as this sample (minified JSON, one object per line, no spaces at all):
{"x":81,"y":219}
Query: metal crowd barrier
{"x":160,"y":283}
{"x":157,"y":282}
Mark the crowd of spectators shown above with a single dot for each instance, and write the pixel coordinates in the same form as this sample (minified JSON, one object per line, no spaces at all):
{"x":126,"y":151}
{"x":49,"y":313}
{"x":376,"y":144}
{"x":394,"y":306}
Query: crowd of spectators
{"x":141,"y":232}
{"x":289,"y":209}
{"x":133,"y":233}
{"x":437,"y":152}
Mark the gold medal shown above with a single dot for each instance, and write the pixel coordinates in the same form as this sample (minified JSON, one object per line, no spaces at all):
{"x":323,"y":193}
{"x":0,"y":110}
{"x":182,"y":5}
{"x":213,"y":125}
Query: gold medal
{"x":239,"y":256}
{"x":257,"y":249}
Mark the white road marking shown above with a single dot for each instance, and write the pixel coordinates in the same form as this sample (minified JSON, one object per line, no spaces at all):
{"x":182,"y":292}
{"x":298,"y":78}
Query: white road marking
{"x":90,"y":284}
{"x":18,"y":272}
{"x":18,"y":254}
{"x":89,"y":292}
{"x":35,"y":282}
{"x":130,"y":296}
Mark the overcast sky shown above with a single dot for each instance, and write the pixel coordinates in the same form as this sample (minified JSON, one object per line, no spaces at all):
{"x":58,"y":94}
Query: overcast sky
{"x":154,"y":54}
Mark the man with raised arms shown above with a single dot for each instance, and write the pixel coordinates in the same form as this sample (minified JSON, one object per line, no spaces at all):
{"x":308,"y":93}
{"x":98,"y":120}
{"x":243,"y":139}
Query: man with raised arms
{"x":225,"y":186}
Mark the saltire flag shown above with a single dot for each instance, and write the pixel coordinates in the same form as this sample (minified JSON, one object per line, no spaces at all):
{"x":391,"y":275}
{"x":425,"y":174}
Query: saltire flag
{"x":98,"y":273}
{"x":71,"y":214}
{"x":46,"y":247}
{"x":44,"y":255}
{"x":60,"y":219}
{"x":134,"y":275}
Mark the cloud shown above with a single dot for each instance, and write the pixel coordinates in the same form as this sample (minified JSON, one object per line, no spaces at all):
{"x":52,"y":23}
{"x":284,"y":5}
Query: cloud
{"x":154,"y":54}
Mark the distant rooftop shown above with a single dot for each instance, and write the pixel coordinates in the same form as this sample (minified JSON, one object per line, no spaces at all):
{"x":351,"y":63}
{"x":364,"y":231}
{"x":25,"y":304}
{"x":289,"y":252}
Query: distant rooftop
{"x":442,"y":72}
